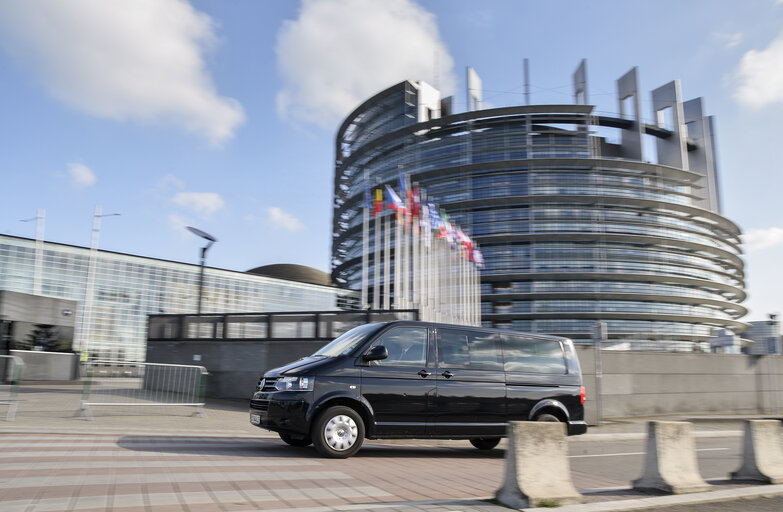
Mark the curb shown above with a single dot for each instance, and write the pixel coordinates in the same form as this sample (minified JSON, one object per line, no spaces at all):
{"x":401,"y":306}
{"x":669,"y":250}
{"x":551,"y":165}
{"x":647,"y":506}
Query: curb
{"x":672,"y":500}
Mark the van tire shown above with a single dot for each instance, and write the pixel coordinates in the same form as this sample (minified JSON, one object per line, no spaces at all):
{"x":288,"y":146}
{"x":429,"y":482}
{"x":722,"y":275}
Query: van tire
{"x":295,"y":441}
{"x":485,"y":443}
{"x":547,"y":417}
{"x":338,"y":432}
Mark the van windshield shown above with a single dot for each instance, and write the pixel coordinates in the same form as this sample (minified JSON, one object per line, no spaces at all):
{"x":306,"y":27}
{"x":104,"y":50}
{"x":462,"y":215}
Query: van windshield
{"x":350,"y":340}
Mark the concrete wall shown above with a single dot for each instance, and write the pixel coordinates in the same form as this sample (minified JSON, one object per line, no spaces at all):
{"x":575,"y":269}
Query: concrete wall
{"x":37,"y":309}
{"x":634,"y":383}
{"x":48,"y":365}
{"x":650,"y":383}
{"x":234,"y":366}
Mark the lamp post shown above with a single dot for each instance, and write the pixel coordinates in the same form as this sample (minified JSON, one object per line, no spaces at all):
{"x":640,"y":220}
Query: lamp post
{"x":97,"y":215}
{"x":211,"y":240}
{"x":39,"y":219}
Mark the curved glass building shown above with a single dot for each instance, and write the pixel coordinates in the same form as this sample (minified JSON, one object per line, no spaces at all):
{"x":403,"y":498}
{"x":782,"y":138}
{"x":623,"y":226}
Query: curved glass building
{"x":576,"y":221}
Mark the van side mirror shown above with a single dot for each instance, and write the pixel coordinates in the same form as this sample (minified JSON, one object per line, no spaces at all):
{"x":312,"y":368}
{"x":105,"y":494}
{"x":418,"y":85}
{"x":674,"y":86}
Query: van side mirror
{"x":376,"y":353}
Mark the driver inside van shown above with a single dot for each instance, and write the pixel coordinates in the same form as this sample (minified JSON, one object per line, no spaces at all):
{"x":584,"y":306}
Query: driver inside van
{"x":406,"y":346}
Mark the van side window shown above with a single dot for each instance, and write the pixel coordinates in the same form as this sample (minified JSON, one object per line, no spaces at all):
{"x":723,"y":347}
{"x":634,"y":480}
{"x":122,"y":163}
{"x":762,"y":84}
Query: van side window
{"x":407,"y":346}
{"x":468,"y":349}
{"x":532,"y":355}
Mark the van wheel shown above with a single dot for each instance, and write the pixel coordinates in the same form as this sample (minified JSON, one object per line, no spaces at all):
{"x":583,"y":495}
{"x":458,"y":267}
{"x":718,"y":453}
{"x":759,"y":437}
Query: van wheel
{"x":547,"y":417}
{"x":338,"y":432}
{"x":295,"y":441}
{"x":485,"y":443}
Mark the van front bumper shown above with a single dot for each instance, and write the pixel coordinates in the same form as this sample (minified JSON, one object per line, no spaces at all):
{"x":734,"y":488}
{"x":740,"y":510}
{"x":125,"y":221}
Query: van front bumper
{"x":281,"y":412}
{"x":576,"y":427}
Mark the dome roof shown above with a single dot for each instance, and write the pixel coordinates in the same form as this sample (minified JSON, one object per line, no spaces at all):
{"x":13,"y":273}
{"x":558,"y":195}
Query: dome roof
{"x":292,"y":272}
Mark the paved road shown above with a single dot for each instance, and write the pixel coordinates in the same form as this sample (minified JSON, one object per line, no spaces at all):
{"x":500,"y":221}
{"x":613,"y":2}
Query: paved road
{"x":41,"y":472}
{"x":141,"y":459}
{"x":135,"y":473}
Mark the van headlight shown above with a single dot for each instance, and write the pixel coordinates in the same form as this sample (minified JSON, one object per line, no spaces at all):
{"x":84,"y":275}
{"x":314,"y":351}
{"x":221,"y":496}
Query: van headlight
{"x":295,"y":384}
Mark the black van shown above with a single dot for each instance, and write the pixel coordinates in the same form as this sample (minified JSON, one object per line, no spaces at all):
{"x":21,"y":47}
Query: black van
{"x":407,"y":379}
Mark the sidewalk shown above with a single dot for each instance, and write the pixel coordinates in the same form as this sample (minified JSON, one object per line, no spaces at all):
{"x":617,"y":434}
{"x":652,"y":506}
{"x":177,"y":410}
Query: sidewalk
{"x":47,"y":408}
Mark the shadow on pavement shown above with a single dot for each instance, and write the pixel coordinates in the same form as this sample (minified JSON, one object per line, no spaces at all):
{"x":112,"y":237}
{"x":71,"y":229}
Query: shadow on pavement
{"x":270,"y":447}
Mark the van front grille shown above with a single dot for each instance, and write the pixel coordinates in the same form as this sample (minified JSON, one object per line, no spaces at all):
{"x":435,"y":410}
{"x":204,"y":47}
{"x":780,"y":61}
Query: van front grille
{"x":260,"y":405}
{"x":268,"y":385}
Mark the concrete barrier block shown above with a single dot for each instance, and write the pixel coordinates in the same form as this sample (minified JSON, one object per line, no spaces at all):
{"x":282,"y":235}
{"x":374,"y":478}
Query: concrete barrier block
{"x":671,"y":464}
{"x":537,"y":467}
{"x":762,"y":454}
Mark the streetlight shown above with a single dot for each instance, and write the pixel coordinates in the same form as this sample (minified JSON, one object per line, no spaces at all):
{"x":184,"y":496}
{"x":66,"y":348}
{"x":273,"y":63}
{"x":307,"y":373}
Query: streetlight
{"x":97,"y":215}
{"x":40,"y":218}
{"x":211,"y":239}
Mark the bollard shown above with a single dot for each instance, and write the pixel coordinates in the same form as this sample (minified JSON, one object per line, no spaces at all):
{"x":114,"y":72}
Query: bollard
{"x":670,"y":465}
{"x":762,"y":454}
{"x":537,"y":468}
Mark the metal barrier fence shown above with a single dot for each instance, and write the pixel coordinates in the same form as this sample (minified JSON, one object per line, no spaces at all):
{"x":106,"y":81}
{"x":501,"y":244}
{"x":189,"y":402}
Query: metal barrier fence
{"x":118,"y":383}
{"x":10,"y":375}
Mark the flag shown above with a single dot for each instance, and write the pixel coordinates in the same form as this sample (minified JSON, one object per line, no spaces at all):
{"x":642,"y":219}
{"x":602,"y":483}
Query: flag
{"x":415,"y":201}
{"x":435,"y":223}
{"x":377,"y":206}
{"x":466,"y":242}
{"x":478,"y":258}
{"x":424,"y":222}
{"x":395,"y":203}
{"x":446,"y":229}
{"x":403,"y":183}
{"x":366,"y":196}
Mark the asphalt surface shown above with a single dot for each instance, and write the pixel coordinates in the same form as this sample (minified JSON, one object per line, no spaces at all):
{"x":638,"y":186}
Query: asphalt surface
{"x":166,"y":458}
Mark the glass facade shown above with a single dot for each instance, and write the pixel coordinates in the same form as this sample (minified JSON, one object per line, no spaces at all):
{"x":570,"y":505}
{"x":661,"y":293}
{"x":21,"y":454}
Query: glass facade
{"x":572,"y":231}
{"x":126,"y":288}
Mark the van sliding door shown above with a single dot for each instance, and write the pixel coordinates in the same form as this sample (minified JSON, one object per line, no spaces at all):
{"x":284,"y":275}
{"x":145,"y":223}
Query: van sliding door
{"x":471,"y":393}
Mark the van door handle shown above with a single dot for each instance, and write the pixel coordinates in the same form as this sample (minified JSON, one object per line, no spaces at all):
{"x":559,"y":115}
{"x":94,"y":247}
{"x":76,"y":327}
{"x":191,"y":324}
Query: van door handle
{"x":447,"y":374}
{"x":424,"y":373}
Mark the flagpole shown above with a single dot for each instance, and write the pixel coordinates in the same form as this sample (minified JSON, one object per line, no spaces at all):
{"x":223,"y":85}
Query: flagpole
{"x":376,"y":289}
{"x":386,"y":254}
{"x":365,"y":246}
{"x":477,"y":291}
{"x":397,"y":263}
{"x":415,"y":267}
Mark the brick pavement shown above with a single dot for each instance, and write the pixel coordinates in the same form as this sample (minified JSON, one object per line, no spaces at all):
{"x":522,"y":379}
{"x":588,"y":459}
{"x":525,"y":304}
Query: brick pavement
{"x":138,"y":459}
{"x":88,"y":473}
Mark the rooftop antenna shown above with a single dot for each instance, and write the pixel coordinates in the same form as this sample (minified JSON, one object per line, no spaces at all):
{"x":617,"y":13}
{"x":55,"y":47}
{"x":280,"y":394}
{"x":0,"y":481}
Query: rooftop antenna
{"x":527,"y":83}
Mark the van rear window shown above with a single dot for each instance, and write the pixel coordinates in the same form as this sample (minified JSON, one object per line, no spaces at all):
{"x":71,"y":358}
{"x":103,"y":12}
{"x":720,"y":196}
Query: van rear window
{"x":532,"y":355}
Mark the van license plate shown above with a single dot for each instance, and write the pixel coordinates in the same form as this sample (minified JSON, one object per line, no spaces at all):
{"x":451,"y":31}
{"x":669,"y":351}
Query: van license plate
{"x":255,"y":419}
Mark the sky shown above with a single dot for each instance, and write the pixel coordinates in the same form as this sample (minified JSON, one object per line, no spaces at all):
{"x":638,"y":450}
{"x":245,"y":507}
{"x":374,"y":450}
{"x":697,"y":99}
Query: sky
{"x":222,"y":115}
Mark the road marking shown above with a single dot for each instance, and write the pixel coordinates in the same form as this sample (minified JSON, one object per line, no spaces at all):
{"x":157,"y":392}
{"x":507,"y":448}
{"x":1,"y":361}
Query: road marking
{"x":636,"y":453}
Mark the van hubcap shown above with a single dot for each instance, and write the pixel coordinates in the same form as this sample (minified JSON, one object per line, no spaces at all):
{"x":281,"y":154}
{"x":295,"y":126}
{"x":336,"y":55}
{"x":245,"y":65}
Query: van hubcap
{"x":341,"y":432}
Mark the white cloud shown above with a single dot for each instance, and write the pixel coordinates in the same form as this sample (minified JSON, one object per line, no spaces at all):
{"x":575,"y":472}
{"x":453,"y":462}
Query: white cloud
{"x":169,"y":180}
{"x":760,"y":76}
{"x":203,"y":203}
{"x":281,"y":219}
{"x":762,"y":238}
{"x":139,"y":61}
{"x":81,"y":175}
{"x":340,"y":52}
{"x":729,"y":40}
